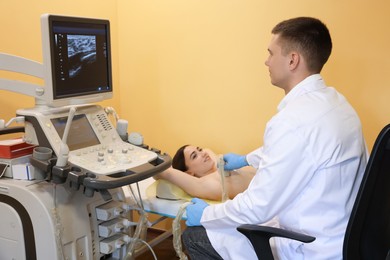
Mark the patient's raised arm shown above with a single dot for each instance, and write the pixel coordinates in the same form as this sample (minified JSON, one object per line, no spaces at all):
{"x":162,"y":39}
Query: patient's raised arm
{"x":207,"y":187}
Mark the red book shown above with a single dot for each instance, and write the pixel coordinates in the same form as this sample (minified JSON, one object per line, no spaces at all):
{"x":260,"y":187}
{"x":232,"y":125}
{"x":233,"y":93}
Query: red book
{"x":15,"y":148}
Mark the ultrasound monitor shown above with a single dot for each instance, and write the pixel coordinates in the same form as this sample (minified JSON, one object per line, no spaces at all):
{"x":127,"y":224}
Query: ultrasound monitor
{"x":77,"y":60}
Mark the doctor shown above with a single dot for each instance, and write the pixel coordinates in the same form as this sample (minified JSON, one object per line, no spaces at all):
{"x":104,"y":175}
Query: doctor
{"x":308,"y":169}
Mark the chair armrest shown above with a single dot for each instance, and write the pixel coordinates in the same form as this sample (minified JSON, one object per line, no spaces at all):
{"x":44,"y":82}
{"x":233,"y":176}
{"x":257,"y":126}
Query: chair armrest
{"x":259,"y":237}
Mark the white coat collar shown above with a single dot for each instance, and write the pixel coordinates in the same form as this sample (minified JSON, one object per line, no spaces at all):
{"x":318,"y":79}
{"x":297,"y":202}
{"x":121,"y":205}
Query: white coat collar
{"x":311,"y":83}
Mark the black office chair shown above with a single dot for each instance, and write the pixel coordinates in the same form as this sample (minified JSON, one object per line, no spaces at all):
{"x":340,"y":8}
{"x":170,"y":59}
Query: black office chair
{"x":367,"y":235}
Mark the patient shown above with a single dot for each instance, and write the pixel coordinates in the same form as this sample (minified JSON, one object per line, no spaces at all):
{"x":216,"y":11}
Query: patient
{"x":195,"y":171}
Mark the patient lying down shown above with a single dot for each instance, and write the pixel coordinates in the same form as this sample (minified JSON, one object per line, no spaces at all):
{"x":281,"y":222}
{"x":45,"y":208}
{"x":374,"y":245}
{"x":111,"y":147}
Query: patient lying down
{"x":195,"y":171}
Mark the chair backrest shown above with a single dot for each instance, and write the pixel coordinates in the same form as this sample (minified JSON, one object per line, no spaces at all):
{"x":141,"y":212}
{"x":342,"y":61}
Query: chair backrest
{"x":368,"y":231}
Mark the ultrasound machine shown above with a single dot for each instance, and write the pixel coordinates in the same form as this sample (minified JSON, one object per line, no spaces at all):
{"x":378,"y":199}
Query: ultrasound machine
{"x":75,"y":207}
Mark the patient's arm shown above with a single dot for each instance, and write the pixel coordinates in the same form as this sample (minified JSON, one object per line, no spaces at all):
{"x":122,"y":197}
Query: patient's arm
{"x":207,"y":187}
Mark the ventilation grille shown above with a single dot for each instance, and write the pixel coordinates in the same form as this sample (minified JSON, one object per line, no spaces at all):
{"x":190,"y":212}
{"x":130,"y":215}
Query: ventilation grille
{"x":104,"y":121}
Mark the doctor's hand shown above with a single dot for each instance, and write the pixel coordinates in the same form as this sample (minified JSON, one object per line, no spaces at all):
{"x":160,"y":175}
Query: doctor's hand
{"x":234,"y":161}
{"x":195,"y":212}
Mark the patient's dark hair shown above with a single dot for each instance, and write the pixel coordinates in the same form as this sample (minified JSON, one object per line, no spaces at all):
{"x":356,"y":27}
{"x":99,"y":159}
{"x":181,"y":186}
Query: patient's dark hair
{"x":178,"y":161}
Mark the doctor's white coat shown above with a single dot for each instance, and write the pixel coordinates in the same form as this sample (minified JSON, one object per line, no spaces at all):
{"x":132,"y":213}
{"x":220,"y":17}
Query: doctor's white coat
{"x":309,"y":170}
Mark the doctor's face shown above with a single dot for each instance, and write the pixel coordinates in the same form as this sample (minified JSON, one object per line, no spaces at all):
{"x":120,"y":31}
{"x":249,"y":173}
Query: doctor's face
{"x":277,"y":63}
{"x":198,"y":161}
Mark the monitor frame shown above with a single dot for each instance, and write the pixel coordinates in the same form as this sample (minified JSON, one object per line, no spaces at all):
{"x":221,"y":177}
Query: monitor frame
{"x":49,"y":97}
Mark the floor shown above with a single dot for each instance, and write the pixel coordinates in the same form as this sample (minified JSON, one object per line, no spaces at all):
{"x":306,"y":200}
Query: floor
{"x":163,"y":250}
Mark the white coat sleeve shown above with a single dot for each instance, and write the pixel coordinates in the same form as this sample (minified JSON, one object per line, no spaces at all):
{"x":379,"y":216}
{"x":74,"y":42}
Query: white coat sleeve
{"x":254,"y":158}
{"x":285,"y":166}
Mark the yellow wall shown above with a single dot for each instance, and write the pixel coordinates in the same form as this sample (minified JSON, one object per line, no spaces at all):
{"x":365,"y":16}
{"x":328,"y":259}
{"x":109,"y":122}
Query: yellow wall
{"x":192,"y":71}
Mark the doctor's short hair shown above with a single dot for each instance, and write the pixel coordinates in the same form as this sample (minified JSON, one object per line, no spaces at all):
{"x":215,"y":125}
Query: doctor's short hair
{"x":178,"y":161}
{"x":308,"y":36}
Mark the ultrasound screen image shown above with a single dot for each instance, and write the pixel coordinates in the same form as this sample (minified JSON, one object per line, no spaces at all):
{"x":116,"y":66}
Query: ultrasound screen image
{"x":81,"y":53}
{"x":81,"y":59}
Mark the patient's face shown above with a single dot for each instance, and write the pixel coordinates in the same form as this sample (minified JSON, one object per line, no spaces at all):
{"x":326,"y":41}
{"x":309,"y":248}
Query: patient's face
{"x":198,"y":161}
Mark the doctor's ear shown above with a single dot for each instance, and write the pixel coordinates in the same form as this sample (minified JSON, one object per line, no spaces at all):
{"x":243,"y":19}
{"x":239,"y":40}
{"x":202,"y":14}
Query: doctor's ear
{"x":294,"y":60}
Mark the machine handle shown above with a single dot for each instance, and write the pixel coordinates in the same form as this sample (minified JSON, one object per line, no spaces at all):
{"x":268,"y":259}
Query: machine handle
{"x":115,"y":180}
{"x":12,"y":130}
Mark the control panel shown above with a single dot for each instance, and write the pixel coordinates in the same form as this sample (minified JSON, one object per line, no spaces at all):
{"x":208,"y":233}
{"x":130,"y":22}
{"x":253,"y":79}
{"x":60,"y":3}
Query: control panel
{"x":93,"y":141}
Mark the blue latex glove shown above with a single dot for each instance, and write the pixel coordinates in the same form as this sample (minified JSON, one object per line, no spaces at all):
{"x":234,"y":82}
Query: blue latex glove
{"x":234,"y":161}
{"x":195,"y":212}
